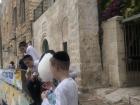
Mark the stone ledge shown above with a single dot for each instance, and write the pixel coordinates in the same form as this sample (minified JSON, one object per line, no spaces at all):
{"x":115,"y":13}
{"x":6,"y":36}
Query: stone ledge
{"x":115,"y":18}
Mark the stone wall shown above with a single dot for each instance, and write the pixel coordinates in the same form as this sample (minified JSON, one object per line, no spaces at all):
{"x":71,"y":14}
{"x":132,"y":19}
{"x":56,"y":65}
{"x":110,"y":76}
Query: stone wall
{"x":89,"y":44}
{"x":23,"y":31}
{"x":6,"y":27}
{"x":57,"y":25}
{"x":12,"y":96}
{"x":114,"y":73}
{"x":72,"y":21}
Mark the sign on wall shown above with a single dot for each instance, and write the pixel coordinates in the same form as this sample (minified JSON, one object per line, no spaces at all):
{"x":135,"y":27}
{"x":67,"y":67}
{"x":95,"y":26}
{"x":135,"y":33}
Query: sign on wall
{"x":12,"y":96}
{"x":9,"y":94}
{"x":11,"y":77}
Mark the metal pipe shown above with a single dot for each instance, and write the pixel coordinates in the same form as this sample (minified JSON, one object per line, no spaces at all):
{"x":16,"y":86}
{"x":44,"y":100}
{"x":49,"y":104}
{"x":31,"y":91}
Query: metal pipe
{"x":100,"y":31}
{"x":1,"y":55}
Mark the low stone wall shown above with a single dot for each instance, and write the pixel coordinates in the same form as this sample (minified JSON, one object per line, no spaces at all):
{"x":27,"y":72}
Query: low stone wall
{"x":12,"y":96}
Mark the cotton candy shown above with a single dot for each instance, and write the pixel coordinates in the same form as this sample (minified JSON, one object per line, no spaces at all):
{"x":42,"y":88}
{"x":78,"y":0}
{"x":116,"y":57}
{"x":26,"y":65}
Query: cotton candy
{"x":44,"y":68}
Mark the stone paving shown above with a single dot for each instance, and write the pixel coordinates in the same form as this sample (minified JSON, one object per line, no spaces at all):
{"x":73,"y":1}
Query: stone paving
{"x":110,"y":96}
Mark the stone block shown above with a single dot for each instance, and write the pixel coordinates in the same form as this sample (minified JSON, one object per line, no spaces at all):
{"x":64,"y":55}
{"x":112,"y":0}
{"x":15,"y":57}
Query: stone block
{"x":135,"y":100}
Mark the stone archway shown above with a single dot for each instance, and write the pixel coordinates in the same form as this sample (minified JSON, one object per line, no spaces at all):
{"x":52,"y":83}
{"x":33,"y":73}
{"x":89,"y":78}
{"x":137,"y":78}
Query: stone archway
{"x":45,"y":46}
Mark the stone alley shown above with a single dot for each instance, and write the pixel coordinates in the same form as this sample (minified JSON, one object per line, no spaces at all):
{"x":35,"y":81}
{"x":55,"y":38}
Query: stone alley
{"x":94,"y":43}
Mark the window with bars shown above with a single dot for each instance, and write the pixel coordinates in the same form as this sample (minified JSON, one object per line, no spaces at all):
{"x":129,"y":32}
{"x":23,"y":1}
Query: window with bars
{"x":14,"y":18}
{"x":22,"y":10}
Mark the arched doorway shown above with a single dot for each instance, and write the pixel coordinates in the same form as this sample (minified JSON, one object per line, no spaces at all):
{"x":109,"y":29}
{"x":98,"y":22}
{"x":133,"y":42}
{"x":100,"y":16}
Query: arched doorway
{"x":45,"y":46}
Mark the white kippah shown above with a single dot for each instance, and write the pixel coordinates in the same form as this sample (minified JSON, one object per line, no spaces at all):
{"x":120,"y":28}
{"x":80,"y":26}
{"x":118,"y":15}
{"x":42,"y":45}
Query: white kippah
{"x":44,"y":68}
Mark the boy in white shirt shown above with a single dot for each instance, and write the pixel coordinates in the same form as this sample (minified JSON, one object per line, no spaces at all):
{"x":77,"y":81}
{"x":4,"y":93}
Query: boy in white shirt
{"x":28,"y":49}
{"x":66,"y":93}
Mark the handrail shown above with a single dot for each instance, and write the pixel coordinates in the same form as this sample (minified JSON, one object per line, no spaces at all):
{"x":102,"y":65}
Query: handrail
{"x":132,"y":18}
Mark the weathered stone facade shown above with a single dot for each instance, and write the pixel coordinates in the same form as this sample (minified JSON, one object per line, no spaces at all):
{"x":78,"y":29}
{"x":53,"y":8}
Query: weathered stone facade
{"x":17,"y":18}
{"x":70,"y":21}
{"x":73,"y":23}
{"x":70,"y":25}
{"x":77,"y":24}
{"x":57,"y":25}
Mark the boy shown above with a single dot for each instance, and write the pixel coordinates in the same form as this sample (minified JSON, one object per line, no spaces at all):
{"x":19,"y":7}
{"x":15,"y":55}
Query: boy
{"x":22,"y":65}
{"x":33,"y":83}
{"x":66,"y":93}
{"x":32,"y":67}
{"x":28,"y":50}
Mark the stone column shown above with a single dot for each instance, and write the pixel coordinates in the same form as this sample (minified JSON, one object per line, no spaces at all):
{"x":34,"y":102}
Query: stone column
{"x":114,"y":52}
{"x":89,"y":45}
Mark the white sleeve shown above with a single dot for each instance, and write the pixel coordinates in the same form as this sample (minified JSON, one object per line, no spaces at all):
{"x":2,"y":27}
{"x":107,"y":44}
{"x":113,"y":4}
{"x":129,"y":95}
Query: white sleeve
{"x":30,"y":52}
{"x":60,"y":99}
{"x":45,"y":102}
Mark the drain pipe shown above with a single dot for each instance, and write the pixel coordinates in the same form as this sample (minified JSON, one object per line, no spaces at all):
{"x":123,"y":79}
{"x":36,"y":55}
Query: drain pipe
{"x":100,"y":31}
{"x":1,"y":56}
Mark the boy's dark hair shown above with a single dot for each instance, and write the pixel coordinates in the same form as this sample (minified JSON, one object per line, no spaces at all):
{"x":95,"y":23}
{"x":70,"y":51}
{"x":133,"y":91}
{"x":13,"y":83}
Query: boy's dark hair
{"x":12,"y":62}
{"x":29,"y":57}
{"x":61,"y":60}
{"x":22,"y":44}
{"x":22,"y":65}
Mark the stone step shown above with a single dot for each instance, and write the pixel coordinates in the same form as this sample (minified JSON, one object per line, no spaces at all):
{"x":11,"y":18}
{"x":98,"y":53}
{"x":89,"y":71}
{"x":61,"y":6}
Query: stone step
{"x":120,"y":96}
{"x":135,"y":100}
{"x":87,"y":99}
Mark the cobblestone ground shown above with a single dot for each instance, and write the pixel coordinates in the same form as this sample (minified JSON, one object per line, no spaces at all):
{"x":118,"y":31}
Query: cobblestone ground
{"x":121,"y":96}
{"x":87,"y":99}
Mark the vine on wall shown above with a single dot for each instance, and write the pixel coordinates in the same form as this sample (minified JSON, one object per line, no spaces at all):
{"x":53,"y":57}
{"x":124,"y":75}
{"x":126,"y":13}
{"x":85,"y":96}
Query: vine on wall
{"x":124,"y":8}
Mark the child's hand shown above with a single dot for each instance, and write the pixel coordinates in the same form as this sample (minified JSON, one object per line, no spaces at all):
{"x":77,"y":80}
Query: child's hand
{"x":32,"y":78}
{"x":47,"y":86}
{"x":44,"y":95}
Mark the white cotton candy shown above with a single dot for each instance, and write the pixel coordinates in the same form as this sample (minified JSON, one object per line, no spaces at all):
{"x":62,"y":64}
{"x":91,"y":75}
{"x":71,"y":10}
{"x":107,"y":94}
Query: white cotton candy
{"x":44,"y":68}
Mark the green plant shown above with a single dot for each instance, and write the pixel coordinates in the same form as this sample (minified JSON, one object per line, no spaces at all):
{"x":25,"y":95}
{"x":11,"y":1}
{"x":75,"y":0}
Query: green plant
{"x":113,"y":8}
{"x":131,"y":7}
{"x":104,"y":4}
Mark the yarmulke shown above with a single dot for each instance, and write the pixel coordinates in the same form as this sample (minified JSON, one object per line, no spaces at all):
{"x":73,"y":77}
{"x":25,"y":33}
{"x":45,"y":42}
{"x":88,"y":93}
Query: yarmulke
{"x":61,"y":56}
